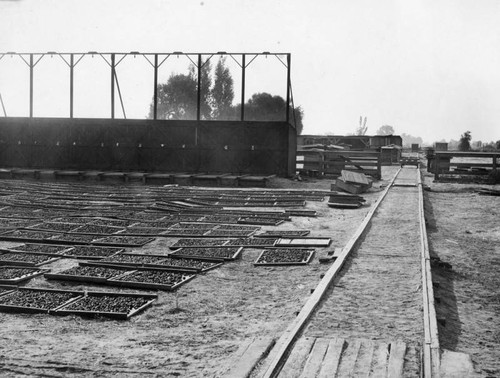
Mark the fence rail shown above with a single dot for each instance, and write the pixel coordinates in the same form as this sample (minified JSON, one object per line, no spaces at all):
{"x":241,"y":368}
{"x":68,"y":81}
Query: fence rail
{"x":462,"y":163}
{"x":323,"y":163}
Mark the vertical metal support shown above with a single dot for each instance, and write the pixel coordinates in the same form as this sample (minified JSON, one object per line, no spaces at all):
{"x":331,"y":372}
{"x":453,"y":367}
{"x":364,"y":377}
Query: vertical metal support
{"x":71,"y":81}
{"x":32,"y":66}
{"x":288,"y":85}
{"x":113,"y":67}
{"x":198,"y":101}
{"x":243,"y":67}
{"x":155,"y":93}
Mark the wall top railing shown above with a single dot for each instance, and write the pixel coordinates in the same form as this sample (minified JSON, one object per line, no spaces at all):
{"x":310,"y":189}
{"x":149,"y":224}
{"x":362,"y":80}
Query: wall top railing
{"x":155,"y":59}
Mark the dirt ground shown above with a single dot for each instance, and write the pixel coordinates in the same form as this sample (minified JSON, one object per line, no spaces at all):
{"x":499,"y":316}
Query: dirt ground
{"x":194,"y":332}
{"x":464,"y":239}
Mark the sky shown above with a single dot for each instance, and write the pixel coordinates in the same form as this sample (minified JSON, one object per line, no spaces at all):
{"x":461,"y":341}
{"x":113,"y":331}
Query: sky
{"x":429,"y":68}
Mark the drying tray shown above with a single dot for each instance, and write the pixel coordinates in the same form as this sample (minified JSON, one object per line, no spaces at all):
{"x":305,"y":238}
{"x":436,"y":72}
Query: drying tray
{"x":305,"y":261}
{"x":27,"y":236}
{"x":66,"y":308}
{"x":179,"y":268}
{"x":188,"y":243}
{"x":283,"y":233}
{"x":70,"y":253}
{"x":132,"y":265}
{"x":21,"y":278}
{"x":4,"y":259}
{"x":124,"y":281}
{"x":62,"y":276}
{"x":61,"y":250}
{"x":73,"y":295}
{"x":192,"y":253}
{"x":123,"y":241}
{"x":303,"y":242}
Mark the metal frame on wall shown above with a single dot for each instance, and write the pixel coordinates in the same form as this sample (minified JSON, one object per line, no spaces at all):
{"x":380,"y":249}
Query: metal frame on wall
{"x":113,"y":59}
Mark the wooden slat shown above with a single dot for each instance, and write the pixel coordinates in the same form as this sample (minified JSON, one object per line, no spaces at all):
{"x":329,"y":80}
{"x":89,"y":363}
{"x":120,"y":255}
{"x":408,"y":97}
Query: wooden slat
{"x":297,"y":358}
{"x":396,"y":360}
{"x":331,"y":361}
{"x":349,"y":358}
{"x":364,"y":360}
{"x":313,"y":363}
{"x":249,"y":354}
{"x":380,"y":360}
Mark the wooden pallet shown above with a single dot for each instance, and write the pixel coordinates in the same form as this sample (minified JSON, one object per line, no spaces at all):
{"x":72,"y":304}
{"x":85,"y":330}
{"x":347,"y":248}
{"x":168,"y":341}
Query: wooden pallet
{"x":337,"y":357}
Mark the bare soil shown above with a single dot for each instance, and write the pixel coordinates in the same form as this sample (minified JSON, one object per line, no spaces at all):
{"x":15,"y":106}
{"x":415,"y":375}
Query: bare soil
{"x":196,"y":331}
{"x":464,"y":239}
{"x":193,"y":332}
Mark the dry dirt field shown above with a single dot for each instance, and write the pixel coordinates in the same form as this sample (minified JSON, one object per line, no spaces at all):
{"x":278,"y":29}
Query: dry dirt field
{"x":197,"y":331}
{"x":191,"y":333}
{"x":464,"y":234}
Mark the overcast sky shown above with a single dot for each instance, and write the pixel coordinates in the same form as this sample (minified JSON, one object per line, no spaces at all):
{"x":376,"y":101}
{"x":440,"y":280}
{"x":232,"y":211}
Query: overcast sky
{"x":429,"y":68}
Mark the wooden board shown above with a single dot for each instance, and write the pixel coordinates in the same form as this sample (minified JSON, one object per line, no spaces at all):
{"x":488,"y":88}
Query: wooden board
{"x":248,"y":355}
{"x":355,"y":178}
{"x":303,"y":242}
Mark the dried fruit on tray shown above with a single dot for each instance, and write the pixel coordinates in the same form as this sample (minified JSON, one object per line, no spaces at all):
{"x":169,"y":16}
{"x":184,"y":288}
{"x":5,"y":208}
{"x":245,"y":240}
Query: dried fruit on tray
{"x":252,"y":242}
{"x":285,"y":256}
{"x":226,"y":253}
{"x":124,"y":240}
{"x":107,"y":303}
{"x":156,"y":277}
{"x":96,"y":229}
{"x":36,"y":299}
{"x":91,"y":271}
{"x":27,"y":259}
{"x":92,"y":252}
{"x":41,"y":248}
{"x":8,"y":273}
{"x":186,"y":243}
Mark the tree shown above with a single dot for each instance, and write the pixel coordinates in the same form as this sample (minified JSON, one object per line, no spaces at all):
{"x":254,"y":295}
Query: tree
{"x":176,"y":98}
{"x":265,"y":107}
{"x":464,"y":142}
{"x":497,"y":144}
{"x":222,"y":93}
{"x":385,"y":130}
{"x":362,"y":128}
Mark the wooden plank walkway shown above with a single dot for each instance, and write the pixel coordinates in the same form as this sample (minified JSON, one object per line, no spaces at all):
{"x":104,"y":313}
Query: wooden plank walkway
{"x":337,"y":357}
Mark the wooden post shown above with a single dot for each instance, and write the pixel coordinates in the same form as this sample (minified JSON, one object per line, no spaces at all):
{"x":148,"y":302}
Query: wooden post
{"x":71,"y":83}
{"x":198,"y":100}
{"x":379,"y":165}
{"x":112,"y":86}
{"x":243,"y":67}
{"x":155,"y":92}
{"x":436,"y":167}
{"x":32,"y":66}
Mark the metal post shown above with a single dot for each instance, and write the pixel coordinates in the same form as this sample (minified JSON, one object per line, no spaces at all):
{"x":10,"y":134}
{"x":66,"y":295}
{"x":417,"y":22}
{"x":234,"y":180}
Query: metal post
{"x":32,"y":66}
{"x":288,"y":85}
{"x":71,"y":81}
{"x":198,"y":101}
{"x":112,"y":86}
{"x":155,"y":93}
{"x":243,"y":67}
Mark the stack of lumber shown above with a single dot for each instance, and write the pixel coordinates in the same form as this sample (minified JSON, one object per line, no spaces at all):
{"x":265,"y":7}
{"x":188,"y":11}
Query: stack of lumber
{"x":352,"y":182}
{"x":345,"y":201}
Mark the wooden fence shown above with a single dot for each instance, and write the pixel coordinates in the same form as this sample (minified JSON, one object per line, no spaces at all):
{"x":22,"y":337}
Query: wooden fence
{"x":321,"y":163}
{"x":462,"y":163}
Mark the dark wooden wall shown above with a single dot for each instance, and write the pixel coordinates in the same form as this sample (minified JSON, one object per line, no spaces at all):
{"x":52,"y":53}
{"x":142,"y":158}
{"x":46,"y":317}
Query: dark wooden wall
{"x":147,"y":145}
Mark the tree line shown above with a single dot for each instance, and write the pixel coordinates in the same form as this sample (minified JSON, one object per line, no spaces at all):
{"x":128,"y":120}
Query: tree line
{"x":177,"y":98}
